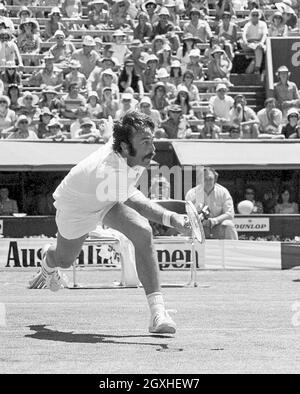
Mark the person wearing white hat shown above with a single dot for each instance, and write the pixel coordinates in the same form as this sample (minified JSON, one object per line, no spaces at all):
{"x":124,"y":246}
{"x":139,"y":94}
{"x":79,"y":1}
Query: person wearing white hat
{"x":187,"y":81}
{"x":87,"y":132}
{"x":21,"y":130}
{"x":198,"y":26}
{"x":98,"y":13}
{"x":288,"y":13}
{"x":286,"y":92}
{"x":163,"y":25}
{"x":10,"y":75}
{"x":4,"y":16}
{"x":50,"y":75}
{"x":219,"y":66}
{"x":119,"y":48}
{"x":55,"y":131}
{"x":164,"y":77}
{"x":254,"y":37}
{"x":151,"y":8}
{"x":63,"y":49}
{"x":270,"y":120}
{"x":292,"y":122}
{"x":28,"y":105}
{"x":195,"y":65}
{"x":127,"y":104}
{"x":94,"y":108}
{"x":176,"y":73}
{"x":145,"y":106}
{"x":107,"y":78}
{"x":54,"y":23}
{"x":9,"y":50}
{"x":220,"y":105}
{"x":87,"y":55}
{"x":75,"y":76}
{"x":277,"y":27}
{"x":7,"y":115}
{"x":29,"y":40}
{"x":122,"y":13}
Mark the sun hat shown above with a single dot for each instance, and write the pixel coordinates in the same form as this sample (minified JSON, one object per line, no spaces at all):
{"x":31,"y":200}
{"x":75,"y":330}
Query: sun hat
{"x":162,"y":73}
{"x":145,"y":100}
{"x":217,"y":50}
{"x":195,"y":53}
{"x":55,"y":10}
{"x":59,"y":33}
{"x":108,"y":71}
{"x":5,"y":98}
{"x":87,"y":122}
{"x":88,"y":41}
{"x":93,"y":94}
{"x":119,"y":33}
{"x":35,"y":98}
{"x":22,"y":118}
{"x":292,"y":111}
{"x":49,"y":89}
{"x":55,"y":122}
{"x":74,"y":63}
{"x":182,"y":88}
{"x":24,"y":9}
{"x":127,"y":96}
{"x":175,"y":64}
{"x":282,"y":69}
{"x":46,"y":111}
{"x":163,"y":11}
{"x":221,"y":86}
{"x":151,"y":58}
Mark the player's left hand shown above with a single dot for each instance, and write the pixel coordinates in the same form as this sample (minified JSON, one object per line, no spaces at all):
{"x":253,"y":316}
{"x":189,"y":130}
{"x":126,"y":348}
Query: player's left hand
{"x":181,"y":223}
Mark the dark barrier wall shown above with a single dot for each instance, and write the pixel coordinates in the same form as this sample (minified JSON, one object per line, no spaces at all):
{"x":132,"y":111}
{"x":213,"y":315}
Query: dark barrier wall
{"x":285,"y":226}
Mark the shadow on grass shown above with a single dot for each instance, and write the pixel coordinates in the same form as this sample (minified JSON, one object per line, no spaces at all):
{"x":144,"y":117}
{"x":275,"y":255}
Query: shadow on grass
{"x":41,"y":332}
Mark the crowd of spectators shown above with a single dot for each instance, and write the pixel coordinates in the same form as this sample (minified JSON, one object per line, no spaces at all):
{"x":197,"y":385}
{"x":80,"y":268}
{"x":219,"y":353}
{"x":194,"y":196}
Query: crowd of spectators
{"x":68,"y":67}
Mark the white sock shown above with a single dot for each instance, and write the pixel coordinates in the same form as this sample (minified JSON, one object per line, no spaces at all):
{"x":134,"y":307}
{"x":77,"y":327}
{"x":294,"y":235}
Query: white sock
{"x":46,"y":267}
{"x":156,"y":302}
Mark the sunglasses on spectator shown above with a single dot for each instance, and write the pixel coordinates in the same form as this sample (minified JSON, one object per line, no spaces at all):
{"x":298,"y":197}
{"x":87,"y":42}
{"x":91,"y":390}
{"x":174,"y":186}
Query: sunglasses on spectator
{"x":291,"y":116}
{"x":249,"y":192}
{"x":29,"y":98}
{"x":3,"y":102}
{"x":122,"y":5}
{"x":23,"y":122}
{"x":150,"y":6}
{"x":255,"y":14}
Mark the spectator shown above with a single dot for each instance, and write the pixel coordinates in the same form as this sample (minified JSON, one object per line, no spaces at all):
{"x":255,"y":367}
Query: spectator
{"x":21,"y":130}
{"x":220,"y":224}
{"x":55,"y":131}
{"x":285,"y":206}
{"x":164,"y":57}
{"x":93,"y":79}
{"x":50,"y":99}
{"x":270,"y":201}
{"x":10,"y":75}
{"x":119,"y":15}
{"x":127,"y":104}
{"x":223,"y":6}
{"x":219,"y":66}
{"x":285,"y":92}
{"x":296,"y":134}
{"x":42,"y":126}
{"x":277,"y":26}
{"x":149,"y":75}
{"x":7,"y":21}
{"x":183,"y":53}
{"x":74,"y":76}
{"x":158,"y":43}
{"x":24,"y":13}
{"x":164,"y":77}
{"x":163,"y":25}
{"x":109,"y":105}
{"x":137,"y":55}
{"x":187,"y":81}
{"x":244,"y":117}
{"x":50,"y":75}
{"x":54,"y":24}
{"x":28,"y":105}
{"x":198,"y":4}
{"x":97,"y":13}
{"x":227,"y":29}
{"x":183,"y":100}
{"x":254,"y":38}
{"x":143,"y":29}
{"x":198,"y":26}
{"x":87,"y":56}
{"x":7,"y":116}
{"x":145,"y":106}
{"x":72,"y":102}
{"x":106,"y":80}
{"x":29,"y":40}
{"x":176,"y":125}
{"x":88,"y":131}
{"x":289,"y":129}
{"x":250,"y":195}
{"x":176,"y":73}
{"x":72,"y":8}
{"x":94,"y":108}
{"x":151,"y":8}
{"x":7,"y":205}
{"x":213,"y":43}
{"x":9,"y":51}
{"x":63,"y":49}
{"x":220,"y":105}
{"x":120,"y":49}
{"x":195,"y":65}
{"x":129,"y":79}
{"x":270,"y":120}
{"x":289,"y":15}
{"x":210,"y":130}
{"x":159,"y":99}
{"x":13,"y":93}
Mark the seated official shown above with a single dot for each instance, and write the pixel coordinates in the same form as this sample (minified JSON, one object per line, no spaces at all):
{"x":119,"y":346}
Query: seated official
{"x":7,"y":205}
{"x":220,"y":223}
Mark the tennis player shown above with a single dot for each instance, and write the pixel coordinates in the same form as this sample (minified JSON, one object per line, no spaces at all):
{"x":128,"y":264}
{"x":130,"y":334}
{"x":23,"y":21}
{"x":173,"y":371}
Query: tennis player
{"x":101,"y":189}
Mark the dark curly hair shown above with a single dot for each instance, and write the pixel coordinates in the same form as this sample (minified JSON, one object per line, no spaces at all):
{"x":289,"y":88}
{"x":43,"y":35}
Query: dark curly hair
{"x":125,"y":129}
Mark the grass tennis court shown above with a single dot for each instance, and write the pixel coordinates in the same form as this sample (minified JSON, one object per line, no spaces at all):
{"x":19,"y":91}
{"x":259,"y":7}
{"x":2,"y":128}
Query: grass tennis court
{"x":234,"y":322}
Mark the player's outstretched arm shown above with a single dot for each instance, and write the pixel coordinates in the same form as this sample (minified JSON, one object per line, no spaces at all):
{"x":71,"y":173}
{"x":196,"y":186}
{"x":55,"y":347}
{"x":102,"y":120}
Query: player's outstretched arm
{"x":156,"y":213}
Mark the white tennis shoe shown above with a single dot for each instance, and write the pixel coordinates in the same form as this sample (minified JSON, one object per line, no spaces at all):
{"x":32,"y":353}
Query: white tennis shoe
{"x":162,"y":323}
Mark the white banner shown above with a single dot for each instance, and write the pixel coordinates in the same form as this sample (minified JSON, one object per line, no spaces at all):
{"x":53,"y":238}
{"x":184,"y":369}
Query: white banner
{"x":252,"y":224}
{"x":1,"y":227}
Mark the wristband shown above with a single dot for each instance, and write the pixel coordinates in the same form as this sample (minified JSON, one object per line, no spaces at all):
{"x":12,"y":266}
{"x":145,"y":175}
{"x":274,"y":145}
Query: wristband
{"x":166,"y":219}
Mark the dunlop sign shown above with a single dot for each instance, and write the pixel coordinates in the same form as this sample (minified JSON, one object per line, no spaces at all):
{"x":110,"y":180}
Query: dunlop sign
{"x":252,"y":224}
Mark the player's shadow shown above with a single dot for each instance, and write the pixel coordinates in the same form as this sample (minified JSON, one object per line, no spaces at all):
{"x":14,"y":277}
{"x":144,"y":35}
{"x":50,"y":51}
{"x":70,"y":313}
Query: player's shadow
{"x":41,"y":332}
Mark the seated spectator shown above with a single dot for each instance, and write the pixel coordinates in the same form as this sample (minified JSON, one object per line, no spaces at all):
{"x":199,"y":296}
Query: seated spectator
{"x":277,"y":26}
{"x":138,"y":56}
{"x":159,"y":99}
{"x":270,"y":120}
{"x":285,"y":92}
{"x":49,"y":98}
{"x":220,"y":105}
{"x":87,"y":56}
{"x":164,"y":77}
{"x":183,"y":52}
{"x":10,"y":75}
{"x":28,"y":105}
{"x":72,"y":8}
{"x":54,"y":23}
{"x":220,"y":224}
{"x":143,"y":29}
{"x":149,"y":75}
{"x":164,"y":57}
{"x":254,"y":38}
{"x":198,"y":4}
{"x":250,"y":195}
{"x":14,"y":93}
{"x":145,"y":106}
{"x":213,"y":43}
{"x":198,"y":26}
{"x":244,"y":117}
{"x":7,"y":205}
{"x":42,"y":127}
{"x":187,"y":81}
{"x":109,"y":105}
{"x":21,"y":130}
{"x":29,"y":40}
{"x":129,"y":79}
{"x":292,"y":123}
{"x":285,"y":206}
{"x":74,"y":76}
{"x":9,"y":51}
{"x":23,"y":14}
{"x":106,"y":80}
{"x":296,"y":134}
{"x":87,"y":132}
{"x":120,"y":50}
{"x":195,"y":65}
{"x":50,"y":75}
{"x":63,"y":49}
{"x":93,"y":79}
{"x":151,"y":7}
{"x":157,"y":44}
{"x":223,"y":6}
{"x":183,"y":100}
{"x":288,"y":13}
{"x":163,"y":25}
{"x":219,"y":66}
{"x":269,"y":200}
{"x":176,"y":125}
{"x":127,"y":104}
{"x":176,"y":73}
{"x":72,"y":102}
{"x":119,"y":15}
{"x":7,"y":21}
{"x":210,"y":130}
{"x":94,"y":108}
{"x":55,"y":131}
{"x":7,"y":116}
{"x":227,"y":29}
{"x":98,"y":13}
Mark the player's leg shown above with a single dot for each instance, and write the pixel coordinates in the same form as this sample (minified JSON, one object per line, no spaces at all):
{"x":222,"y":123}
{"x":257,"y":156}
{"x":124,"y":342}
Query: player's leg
{"x":138,"y":230}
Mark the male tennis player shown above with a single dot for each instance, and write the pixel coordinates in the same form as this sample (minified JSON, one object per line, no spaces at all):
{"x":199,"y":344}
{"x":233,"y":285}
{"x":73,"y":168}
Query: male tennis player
{"x":101,"y":190}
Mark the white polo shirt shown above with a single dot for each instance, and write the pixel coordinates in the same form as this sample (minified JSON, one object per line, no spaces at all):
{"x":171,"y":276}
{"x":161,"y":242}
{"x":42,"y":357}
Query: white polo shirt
{"x":221,"y":108}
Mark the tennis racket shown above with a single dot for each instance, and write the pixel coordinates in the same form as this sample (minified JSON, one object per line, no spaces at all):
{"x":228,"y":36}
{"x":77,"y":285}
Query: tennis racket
{"x":195,"y":222}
